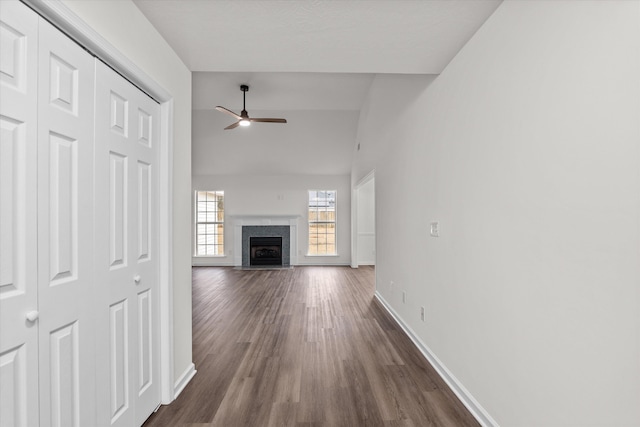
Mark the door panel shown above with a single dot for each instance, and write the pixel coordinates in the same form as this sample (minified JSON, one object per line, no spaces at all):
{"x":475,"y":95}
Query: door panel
{"x":14,"y":387}
{"x":127,"y":267}
{"x":145,"y":340}
{"x":18,"y":207}
{"x":63,"y":194}
{"x":144,"y":210}
{"x":118,"y":184}
{"x":66,"y":289}
{"x":65,"y":376}
{"x":119,"y":359}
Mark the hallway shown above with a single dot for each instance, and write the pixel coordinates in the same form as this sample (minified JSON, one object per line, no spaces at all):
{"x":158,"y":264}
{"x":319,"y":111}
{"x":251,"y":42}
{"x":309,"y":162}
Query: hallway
{"x":301,"y":347}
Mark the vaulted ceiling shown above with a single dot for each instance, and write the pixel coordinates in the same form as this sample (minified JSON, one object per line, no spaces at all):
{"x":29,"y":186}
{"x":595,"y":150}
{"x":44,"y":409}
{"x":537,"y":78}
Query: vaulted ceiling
{"x":312,"y":60}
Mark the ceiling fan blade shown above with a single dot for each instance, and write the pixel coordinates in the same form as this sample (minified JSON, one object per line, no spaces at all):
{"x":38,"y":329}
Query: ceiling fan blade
{"x":268,"y":120}
{"x":233,"y":126}
{"x":224,"y":110}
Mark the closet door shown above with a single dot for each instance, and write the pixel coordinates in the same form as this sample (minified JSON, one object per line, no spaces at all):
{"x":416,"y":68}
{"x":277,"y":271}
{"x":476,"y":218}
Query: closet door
{"x":18,"y":219}
{"x":66,"y":289}
{"x":127,"y":126}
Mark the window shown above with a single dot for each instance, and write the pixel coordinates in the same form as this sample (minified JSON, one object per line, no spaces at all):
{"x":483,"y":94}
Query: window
{"x":209,"y":223}
{"x":322,"y":222}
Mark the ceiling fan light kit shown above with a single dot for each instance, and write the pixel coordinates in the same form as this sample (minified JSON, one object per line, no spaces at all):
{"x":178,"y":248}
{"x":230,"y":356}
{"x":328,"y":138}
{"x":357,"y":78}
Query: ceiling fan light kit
{"x":243,"y":118}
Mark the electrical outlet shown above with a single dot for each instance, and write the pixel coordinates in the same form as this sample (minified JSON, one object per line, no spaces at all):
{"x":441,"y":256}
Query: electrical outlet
{"x":422,"y":313}
{"x":404,"y":297}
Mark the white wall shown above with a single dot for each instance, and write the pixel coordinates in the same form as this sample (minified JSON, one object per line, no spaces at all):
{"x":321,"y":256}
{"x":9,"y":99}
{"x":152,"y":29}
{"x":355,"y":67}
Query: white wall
{"x":527,"y":150}
{"x":122,"y":24}
{"x":279,"y":195}
{"x":313,"y":142}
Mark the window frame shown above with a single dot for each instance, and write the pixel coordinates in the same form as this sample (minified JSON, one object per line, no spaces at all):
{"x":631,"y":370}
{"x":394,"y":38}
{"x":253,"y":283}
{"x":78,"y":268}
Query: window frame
{"x":214,"y":223}
{"x":334,"y":222}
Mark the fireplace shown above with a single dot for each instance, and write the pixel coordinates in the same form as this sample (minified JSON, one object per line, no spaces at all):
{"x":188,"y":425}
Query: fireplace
{"x":246,"y":227}
{"x":265,"y":251}
{"x":251,"y":232}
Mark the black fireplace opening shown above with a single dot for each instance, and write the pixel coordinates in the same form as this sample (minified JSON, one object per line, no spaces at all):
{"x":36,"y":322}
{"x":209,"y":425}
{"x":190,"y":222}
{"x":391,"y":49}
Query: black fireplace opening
{"x":265,"y":251}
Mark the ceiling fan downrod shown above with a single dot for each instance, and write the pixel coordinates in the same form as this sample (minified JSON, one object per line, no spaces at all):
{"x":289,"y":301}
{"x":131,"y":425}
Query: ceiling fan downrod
{"x":244,"y":89}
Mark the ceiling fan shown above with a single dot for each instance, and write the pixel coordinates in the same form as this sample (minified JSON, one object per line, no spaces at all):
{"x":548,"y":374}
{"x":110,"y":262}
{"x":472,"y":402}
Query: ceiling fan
{"x":243,"y":117}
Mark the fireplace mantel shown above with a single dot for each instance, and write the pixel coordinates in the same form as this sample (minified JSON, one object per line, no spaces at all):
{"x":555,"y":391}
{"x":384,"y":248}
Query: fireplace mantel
{"x":264,"y":219}
{"x":239,"y":221}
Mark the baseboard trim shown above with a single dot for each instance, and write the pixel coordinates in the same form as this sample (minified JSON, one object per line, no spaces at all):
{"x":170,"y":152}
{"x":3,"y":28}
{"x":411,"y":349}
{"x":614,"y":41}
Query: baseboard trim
{"x":322,"y":264}
{"x":478,"y":412}
{"x":209,"y":264}
{"x":184,"y":379}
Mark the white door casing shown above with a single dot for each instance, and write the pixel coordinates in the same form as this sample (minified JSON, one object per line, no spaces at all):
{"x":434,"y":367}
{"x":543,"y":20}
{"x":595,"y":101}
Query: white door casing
{"x":363,"y":230}
{"x":365,"y":222}
{"x":127,"y":151}
{"x":18,"y":218}
{"x":66,"y":289}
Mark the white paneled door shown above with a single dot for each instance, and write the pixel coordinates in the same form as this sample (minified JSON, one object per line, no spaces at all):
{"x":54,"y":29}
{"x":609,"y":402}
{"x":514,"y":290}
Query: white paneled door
{"x":66,"y":287}
{"x":47,"y":353}
{"x":127,"y":129}
{"x":18,"y":216}
{"x":79,"y":298}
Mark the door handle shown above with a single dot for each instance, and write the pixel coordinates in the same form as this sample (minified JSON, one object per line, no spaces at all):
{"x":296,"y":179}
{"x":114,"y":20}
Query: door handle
{"x":136,"y":278}
{"x":32,"y":315}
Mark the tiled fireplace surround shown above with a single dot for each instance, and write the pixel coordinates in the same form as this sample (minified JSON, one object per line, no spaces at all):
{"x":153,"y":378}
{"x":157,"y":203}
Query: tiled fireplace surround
{"x":246,"y":226}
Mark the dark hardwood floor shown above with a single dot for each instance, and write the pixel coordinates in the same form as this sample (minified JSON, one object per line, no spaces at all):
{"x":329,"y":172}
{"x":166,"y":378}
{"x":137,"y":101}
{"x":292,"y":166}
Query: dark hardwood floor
{"x":308,"y":346}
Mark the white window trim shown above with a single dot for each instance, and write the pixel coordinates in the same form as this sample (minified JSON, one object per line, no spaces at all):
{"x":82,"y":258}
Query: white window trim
{"x":322,"y":256}
{"x":335,"y":222}
{"x":196,"y":223}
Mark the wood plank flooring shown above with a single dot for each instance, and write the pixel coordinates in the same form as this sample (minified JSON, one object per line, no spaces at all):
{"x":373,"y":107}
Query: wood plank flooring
{"x":308,"y":346}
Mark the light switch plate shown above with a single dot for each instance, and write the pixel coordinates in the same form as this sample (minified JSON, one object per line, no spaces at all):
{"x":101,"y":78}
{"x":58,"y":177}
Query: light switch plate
{"x":435,"y":229}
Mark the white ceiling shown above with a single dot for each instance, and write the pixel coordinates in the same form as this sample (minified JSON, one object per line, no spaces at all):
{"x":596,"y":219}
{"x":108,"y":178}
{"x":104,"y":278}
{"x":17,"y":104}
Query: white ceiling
{"x":302,"y":56}
{"x":331,"y":36}
{"x":281,"y":91}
